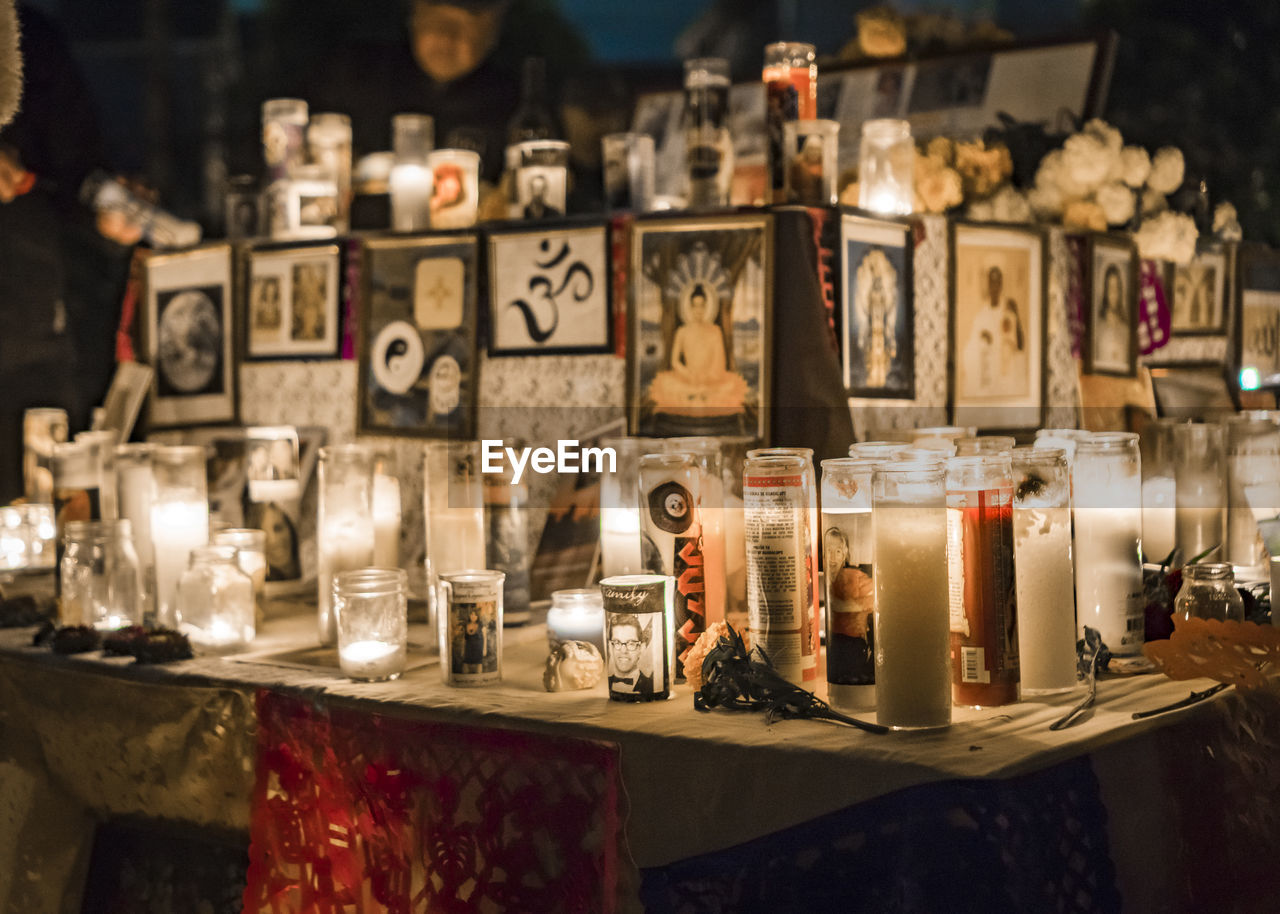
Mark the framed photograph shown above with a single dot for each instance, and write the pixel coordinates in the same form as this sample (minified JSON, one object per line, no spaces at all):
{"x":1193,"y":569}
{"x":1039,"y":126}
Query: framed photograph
{"x":1258,"y":323}
{"x":997,"y":326}
{"x":698,"y":349}
{"x":187,"y":337}
{"x":291,"y":305}
{"x":1192,"y":390}
{"x":417,"y":340}
{"x":1198,"y":295}
{"x":877,"y":315}
{"x":129,"y":387}
{"x":549,"y":291}
{"x":1111,"y":289}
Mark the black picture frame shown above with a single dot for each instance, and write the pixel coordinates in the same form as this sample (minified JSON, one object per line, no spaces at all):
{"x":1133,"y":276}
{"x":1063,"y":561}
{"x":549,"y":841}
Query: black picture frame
{"x":885,"y":236}
{"x":1256,"y":343}
{"x":1211,"y":272}
{"x":1110,"y":256}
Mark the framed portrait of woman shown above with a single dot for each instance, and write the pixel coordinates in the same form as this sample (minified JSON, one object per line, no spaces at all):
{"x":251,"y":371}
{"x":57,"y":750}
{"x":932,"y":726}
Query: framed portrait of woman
{"x":698,"y":350}
{"x":1111,"y":290}
{"x":997,"y":326}
{"x":877,"y":350}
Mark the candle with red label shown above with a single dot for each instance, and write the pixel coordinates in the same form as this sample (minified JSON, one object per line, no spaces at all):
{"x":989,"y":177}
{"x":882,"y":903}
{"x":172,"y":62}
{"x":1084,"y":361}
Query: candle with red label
{"x":791,"y":94}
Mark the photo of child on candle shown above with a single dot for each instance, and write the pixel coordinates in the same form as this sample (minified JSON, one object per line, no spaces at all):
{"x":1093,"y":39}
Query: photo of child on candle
{"x":474,"y":642}
{"x":628,"y":641}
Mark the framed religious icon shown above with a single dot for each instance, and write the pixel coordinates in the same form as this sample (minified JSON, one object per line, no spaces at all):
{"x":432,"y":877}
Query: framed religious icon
{"x":291,"y":302}
{"x":1111,"y":290}
{"x":186,"y":332}
{"x":417,"y":337}
{"x":698,"y":348}
{"x":1198,"y":294}
{"x":549,"y":291}
{"x":997,"y":326}
{"x":877,"y":336}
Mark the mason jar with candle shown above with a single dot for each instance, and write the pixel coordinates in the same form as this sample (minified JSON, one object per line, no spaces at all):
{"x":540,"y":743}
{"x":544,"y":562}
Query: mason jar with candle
{"x":453,"y":505}
{"x":848,"y":562}
{"x":101,"y":583}
{"x":470,"y":627}
{"x":179,"y":519}
{"x":329,"y":142}
{"x":251,"y":556}
{"x":77,"y":487}
{"x":413,"y":136}
{"x":1200,"y":490}
{"x":909,"y":526}
{"x":941,"y":438}
{"x":215,"y":601}
{"x":576,"y":614}
{"x":42,"y":428}
{"x":1106,"y":483}
{"x":1253,"y":488}
{"x":886,"y":167}
{"x":1043,"y":566}
{"x":620,"y":506}
{"x":790,"y":76}
{"x":135,"y":491}
{"x":345,"y":530}
{"x":708,"y":145}
{"x":1209,"y":592}
{"x":372,"y":611}
{"x":711,"y":516}
{"x":1159,"y":514}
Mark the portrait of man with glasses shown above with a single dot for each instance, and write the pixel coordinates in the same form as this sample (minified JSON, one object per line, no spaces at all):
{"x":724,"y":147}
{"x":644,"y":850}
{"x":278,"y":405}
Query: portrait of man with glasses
{"x":629,"y":640}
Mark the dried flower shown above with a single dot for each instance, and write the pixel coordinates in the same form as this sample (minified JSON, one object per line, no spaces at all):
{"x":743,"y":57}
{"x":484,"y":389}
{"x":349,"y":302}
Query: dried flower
{"x":1103,"y":132}
{"x":1088,"y":160}
{"x":1116,"y":202}
{"x":1135,"y":166}
{"x":1226,"y":224}
{"x":1011,"y":205}
{"x":1056,"y":183}
{"x":1167,"y":170}
{"x":938,"y":188}
{"x":1153,"y":202}
{"x":1168,"y":236}
{"x":943,"y":148}
{"x":981,"y":211}
{"x":983,"y":168}
{"x":881,"y":32}
{"x":698,"y":653}
{"x":1046,"y":200}
{"x":1084,"y":215}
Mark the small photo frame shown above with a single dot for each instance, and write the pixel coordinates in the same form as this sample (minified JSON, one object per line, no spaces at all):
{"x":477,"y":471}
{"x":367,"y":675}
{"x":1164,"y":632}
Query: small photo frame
{"x":549,"y":291}
{"x":997,"y":326}
{"x":417,"y":337}
{"x":1198,"y":294}
{"x":129,"y":388}
{"x":291,"y":303}
{"x":877,"y":348}
{"x":187,"y":337}
{"x":1257,"y":348}
{"x":699,"y":346}
{"x":1111,"y":291}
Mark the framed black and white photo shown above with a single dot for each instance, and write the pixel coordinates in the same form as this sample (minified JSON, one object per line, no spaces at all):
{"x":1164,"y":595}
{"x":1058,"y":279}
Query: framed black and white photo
{"x":129,"y":388}
{"x":291,"y":306}
{"x":1111,"y":291}
{"x":698,"y":348}
{"x":997,"y":326}
{"x":417,"y":339}
{"x":549,"y":291}
{"x":187,"y":337}
{"x":877,"y":336}
{"x":1198,"y":294}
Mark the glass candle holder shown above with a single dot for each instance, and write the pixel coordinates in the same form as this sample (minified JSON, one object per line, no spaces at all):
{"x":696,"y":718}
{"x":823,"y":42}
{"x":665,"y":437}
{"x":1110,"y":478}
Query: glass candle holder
{"x":790,"y":78}
{"x":1200,"y":490}
{"x":886,"y":167}
{"x":1253,"y":488}
{"x":251,"y":557}
{"x":1044,"y":569}
{"x":638,"y":633}
{"x":506,"y":509}
{"x":988,"y":444}
{"x":576,"y":615}
{"x":387,"y":512}
{"x":672,"y":537}
{"x":453,"y":505}
{"x":620,"y":506}
{"x":135,"y":492}
{"x":345,"y":530}
{"x":882,"y":450}
{"x":413,"y":136}
{"x":733,"y":457}
{"x":1106,"y":483}
{"x":706,"y":453}
{"x":848,"y":561}
{"x":77,"y":487}
{"x":329,"y":141}
{"x":455,"y":188}
{"x":909,"y":525}
{"x":104,"y":444}
{"x":1063,"y":438}
{"x":284,"y":125}
{"x":179,"y":520}
{"x":708,"y":145}
{"x":628,"y":172}
{"x":1209,"y":592}
{"x":372,"y":611}
{"x":1159,"y":514}
{"x":778,"y":499}
{"x":215,"y":607}
{"x":470,"y":627}
{"x":941,"y":437}
{"x":541,"y":179}
{"x":984,"y":607}
{"x":42,"y":428}
{"x":101,"y":585}
{"x":809,"y":152}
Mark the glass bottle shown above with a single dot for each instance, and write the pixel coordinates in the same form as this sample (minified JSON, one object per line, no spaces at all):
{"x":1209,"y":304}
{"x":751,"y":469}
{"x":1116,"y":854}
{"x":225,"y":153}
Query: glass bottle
{"x":179,"y":520}
{"x":345,"y":530}
{"x":1253,"y":487}
{"x":708,"y":145}
{"x":1106,"y":483}
{"x":251,"y":556}
{"x":533,"y":118}
{"x":101,"y":584}
{"x":1209,"y":592}
{"x":215,"y":601}
{"x":372,"y":611}
{"x":886,"y":167}
{"x":848,"y":562}
{"x":1200,"y":490}
{"x":909,"y":527}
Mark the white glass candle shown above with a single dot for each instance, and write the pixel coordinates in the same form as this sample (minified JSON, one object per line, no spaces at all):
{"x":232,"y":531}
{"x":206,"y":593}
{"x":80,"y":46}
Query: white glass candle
{"x":371,"y":608}
{"x":251,"y":557}
{"x":345,"y":531}
{"x":576,"y":615}
{"x":135,"y":492}
{"x":909,"y":524}
{"x":215,"y":608}
{"x":410,"y":181}
{"x":179,"y":520}
{"x":329,"y":140}
{"x":638,"y":636}
{"x":886,"y":167}
{"x":453,"y":505}
{"x":284,"y":125}
{"x":620,"y":507}
{"x":1158,"y":488}
{"x":386,"y":521}
{"x":1106,"y":487}
{"x":1200,"y":490}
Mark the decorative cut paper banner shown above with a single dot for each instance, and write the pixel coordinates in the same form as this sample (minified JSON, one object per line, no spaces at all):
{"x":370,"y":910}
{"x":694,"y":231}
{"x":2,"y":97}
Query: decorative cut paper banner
{"x":356,"y":811}
{"x":1154,"y":318}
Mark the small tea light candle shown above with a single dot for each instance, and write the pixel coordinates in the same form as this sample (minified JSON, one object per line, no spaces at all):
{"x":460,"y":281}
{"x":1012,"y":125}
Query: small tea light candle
{"x":372,"y":660}
{"x":576,"y":615}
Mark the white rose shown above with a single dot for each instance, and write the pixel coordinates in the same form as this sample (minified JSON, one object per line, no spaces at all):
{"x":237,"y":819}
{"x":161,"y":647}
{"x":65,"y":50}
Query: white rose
{"x":1087,"y":160}
{"x":1226,"y":223}
{"x":1168,"y":236}
{"x":1103,"y":131}
{"x":1117,"y":204}
{"x":1011,"y":205}
{"x":1053,"y":179}
{"x":981,"y":211}
{"x":1153,"y":202}
{"x":1135,"y":166}
{"x":1167,"y":170}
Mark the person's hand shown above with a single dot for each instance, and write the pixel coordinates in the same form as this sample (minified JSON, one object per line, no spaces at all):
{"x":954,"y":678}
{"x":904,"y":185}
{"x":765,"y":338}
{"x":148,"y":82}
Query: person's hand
{"x":12,"y":175}
{"x":117,"y":225}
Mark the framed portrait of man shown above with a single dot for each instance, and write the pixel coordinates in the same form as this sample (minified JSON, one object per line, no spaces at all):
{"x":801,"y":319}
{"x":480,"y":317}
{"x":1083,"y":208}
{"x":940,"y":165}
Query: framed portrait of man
{"x":1111,"y":291}
{"x":1198,"y":295}
{"x":698,"y":350}
{"x":997,"y":326}
{"x":877,"y":350}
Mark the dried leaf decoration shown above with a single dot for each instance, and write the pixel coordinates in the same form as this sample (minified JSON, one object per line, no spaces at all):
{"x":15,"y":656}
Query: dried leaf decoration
{"x":1237,"y":653}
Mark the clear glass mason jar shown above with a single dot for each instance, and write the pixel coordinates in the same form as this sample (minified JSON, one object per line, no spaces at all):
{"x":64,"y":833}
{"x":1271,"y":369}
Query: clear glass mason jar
{"x":215,"y":601}
{"x":886,"y":167}
{"x":1209,"y":592}
{"x":101,"y":583}
{"x":251,"y":555}
{"x":372,"y":610}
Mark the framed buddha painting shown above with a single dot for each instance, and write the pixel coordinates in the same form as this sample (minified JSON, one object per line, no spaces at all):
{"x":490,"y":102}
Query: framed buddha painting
{"x":698,"y":350}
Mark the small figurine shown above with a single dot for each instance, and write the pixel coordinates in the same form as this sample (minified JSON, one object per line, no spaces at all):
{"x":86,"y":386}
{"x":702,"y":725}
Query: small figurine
{"x":573,"y":665}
